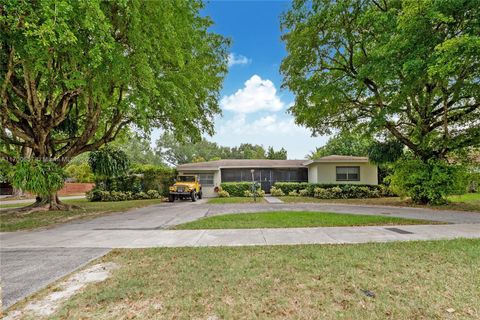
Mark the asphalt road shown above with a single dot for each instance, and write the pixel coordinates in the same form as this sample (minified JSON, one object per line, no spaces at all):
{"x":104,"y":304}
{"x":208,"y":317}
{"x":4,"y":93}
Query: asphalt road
{"x":27,"y":270}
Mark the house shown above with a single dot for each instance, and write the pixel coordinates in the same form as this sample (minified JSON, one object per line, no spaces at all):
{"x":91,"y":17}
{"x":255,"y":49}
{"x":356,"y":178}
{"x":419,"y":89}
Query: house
{"x":329,"y":170}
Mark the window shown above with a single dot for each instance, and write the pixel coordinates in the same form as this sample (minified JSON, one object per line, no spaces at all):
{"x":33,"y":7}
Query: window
{"x":206,"y":179}
{"x":348,"y":173}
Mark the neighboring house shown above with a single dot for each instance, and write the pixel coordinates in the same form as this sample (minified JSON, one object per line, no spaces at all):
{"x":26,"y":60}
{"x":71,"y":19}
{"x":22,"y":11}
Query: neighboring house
{"x":329,"y":170}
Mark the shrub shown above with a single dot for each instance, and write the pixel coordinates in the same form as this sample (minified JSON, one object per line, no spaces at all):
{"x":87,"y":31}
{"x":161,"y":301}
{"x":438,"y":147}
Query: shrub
{"x":321,"y":193}
{"x":223,"y":194}
{"x":142,"y":195}
{"x":293,"y":193}
{"x":153,"y":194}
{"x":155,"y":177}
{"x":80,"y":172}
{"x":248,"y":193}
{"x":260,"y":193}
{"x":276,"y":192}
{"x":236,"y":189}
{"x":332,"y":191}
{"x":303,"y":192}
{"x":427,"y":182}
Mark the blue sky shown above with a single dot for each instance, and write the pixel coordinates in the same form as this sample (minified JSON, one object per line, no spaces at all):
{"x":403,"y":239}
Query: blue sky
{"x":254,"y":107}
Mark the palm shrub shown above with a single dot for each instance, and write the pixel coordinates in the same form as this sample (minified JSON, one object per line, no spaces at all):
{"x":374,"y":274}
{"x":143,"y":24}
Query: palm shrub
{"x":43,"y":178}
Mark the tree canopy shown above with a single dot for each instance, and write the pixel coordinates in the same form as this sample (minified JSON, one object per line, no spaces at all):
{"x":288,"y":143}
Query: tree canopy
{"x":345,"y":143}
{"x":74,"y":74}
{"x":407,"y":68}
{"x":174,"y":151}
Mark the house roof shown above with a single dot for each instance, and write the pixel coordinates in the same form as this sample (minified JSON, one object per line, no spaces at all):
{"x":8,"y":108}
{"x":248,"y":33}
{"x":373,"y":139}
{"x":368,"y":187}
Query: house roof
{"x":241,"y":163}
{"x":264,"y":163}
{"x":337,"y":158}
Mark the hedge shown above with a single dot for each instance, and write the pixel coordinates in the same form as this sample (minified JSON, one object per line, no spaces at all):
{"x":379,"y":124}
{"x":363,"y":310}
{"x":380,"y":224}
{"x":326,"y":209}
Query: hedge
{"x":236,"y":189}
{"x":100,"y":195}
{"x":331,"y":191}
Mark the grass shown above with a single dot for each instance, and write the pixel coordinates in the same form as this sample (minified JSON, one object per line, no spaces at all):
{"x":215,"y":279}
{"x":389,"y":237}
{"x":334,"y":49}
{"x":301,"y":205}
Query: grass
{"x":22,"y":221}
{"x":293,"y":219}
{"x":234,"y":200}
{"x":410,"y":280}
{"x":466,"y":202}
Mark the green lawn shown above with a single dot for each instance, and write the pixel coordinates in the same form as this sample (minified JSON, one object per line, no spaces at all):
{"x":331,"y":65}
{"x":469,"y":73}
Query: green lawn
{"x":293,"y":219}
{"x":21,"y":221}
{"x":234,"y":200}
{"x":410,"y":280}
{"x":466,"y":202}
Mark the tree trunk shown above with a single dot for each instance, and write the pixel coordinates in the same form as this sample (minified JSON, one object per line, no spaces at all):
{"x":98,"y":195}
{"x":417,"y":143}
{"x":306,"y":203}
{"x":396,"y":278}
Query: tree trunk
{"x":44,"y":203}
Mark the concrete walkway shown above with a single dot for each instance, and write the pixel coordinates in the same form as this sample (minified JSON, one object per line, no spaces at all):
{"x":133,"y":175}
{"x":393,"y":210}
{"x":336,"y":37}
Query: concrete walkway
{"x":271,"y":199}
{"x":30,"y":260}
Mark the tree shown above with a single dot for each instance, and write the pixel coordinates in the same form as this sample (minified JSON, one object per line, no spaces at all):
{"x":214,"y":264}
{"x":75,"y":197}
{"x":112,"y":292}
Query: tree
{"x":276,"y":155}
{"x":138,"y":150}
{"x":409,"y":68}
{"x":174,"y":151}
{"x":75,"y":74}
{"x":108,"y":163}
{"x":345,"y":143}
{"x":248,"y":151}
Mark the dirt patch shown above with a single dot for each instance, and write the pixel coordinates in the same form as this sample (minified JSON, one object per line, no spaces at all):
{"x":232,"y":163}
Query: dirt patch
{"x":47,"y":306}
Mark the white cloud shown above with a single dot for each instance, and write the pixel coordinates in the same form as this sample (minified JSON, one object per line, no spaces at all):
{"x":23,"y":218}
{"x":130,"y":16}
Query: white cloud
{"x":234,"y":59}
{"x":268,"y":130}
{"x":257,"y":95}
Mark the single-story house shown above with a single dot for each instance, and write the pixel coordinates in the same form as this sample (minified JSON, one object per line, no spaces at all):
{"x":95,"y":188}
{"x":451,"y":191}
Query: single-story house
{"x":329,"y":170}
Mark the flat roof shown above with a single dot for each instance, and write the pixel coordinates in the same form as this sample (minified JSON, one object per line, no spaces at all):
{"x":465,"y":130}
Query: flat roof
{"x":263,"y":163}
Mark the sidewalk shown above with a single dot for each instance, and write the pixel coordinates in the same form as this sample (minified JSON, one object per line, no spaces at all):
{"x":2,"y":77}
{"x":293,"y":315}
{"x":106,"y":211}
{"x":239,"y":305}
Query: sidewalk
{"x":147,"y":237}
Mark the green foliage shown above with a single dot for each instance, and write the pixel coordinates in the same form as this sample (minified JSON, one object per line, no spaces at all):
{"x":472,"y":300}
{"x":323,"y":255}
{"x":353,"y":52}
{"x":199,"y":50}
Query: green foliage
{"x":5,"y":170}
{"x":408,"y":69}
{"x":427,"y":182}
{"x":80,"y":172}
{"x":332,"y":191}
{"x":223,"y":194}
{"x":236,"y":189}
{"x":276,"y":192}
{"x":385,"y":152}
{"x":276,"y":155}
{"x":155,"y":177}
{"x":92,"y":68}
{"x":345,"y":143}
{"x":259,"y":193}
{"x":108,"y":162}
{"x":138,"y":150}
{"x":102,"y":195}
{"x":38,"y":177}
{"x":175,"y":151}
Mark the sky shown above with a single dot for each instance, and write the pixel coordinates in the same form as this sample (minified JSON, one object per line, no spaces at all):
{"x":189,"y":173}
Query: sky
{"x":254,"y":107}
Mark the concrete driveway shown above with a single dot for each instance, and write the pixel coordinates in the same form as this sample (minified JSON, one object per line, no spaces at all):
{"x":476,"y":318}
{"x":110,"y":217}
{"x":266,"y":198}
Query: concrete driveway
{"x":30,"y":260}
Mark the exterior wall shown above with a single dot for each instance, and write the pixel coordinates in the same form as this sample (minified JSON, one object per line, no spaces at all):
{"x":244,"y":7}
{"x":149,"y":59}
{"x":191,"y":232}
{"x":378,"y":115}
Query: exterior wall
{"x":74,"y":188}
{"x":326,"y":173}
{"x":208,"y":191}
{"x":313,"y":173}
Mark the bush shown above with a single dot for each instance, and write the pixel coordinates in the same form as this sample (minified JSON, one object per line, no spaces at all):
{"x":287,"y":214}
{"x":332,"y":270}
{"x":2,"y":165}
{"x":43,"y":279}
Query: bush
{"x":80,"y":172}
{"x":427,"y":182}
{"x":303,"y":193}
{"x":334,"y":191}
{"x":248,"y":193}
{"x":293,"y":193}
{"x":236,"y":189}
{"x":223,"y":194}
{"x":276,"y":192}
{"x":153,"y":194}
{"x":155,"y":177}
{"x":102,"y":195}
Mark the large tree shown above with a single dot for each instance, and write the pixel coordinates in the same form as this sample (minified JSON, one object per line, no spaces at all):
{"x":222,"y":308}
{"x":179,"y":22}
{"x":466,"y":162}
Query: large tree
{"x":345,"y":143}
{"x":74,"y":74}
{"x":410,"y":69}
